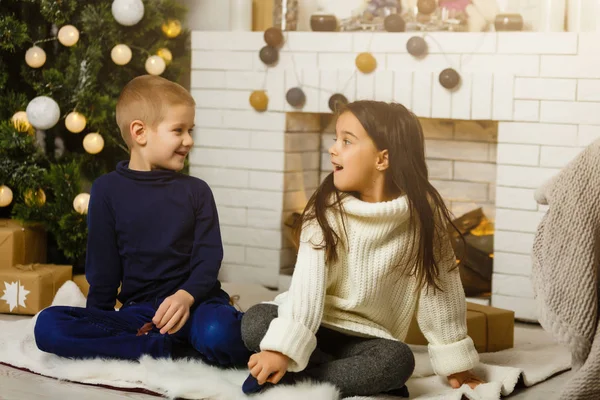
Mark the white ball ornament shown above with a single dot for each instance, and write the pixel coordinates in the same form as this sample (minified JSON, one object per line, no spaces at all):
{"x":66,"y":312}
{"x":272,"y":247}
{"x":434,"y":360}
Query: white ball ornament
{"x":6,"y":196}
{"x":68,"y":35}
{"x":155,"y":65}
{"x":93,"y":143}
{"x":43,"y":112}
{"x":128,"y":12}
{"x":35,"y":57}
{"x":121,"y":54}
{"x":75,"y":122}
{"x":81,"y":202}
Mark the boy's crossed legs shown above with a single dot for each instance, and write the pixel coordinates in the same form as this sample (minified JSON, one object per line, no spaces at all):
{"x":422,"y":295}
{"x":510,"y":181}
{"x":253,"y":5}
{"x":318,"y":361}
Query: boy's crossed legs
{"x":212,"y":332}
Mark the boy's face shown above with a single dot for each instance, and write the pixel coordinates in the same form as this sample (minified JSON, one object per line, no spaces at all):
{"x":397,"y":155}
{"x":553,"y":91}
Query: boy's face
{"x":170,"y":142}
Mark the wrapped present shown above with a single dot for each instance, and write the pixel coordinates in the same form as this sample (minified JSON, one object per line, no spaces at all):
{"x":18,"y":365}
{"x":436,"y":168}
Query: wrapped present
{"x":20,"y":244}
{"x":28,"y":289}
{"x":499,"y":327}
{"x":492,"y":329}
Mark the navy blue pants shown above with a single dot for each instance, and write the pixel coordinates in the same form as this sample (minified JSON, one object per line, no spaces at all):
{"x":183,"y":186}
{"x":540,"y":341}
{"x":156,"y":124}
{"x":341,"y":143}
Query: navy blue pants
{"x":213,"y":333}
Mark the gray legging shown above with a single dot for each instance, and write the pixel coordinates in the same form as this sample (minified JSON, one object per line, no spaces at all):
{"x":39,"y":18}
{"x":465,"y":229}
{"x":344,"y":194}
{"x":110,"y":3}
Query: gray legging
{"x":357,"y":366}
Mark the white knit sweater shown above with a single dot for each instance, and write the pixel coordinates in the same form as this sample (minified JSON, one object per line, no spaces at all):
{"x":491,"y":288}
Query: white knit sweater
{"x":367,"y":294}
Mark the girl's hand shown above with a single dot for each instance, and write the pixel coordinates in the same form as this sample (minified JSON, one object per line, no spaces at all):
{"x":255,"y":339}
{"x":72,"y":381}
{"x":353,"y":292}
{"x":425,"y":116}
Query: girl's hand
{"x":465,"y":377}
{"x":268,"y":366}
{"x":173,"y":312}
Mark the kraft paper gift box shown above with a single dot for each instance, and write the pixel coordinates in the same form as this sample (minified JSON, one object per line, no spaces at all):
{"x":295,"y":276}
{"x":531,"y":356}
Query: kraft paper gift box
{"x":20,"y":244}
{"x":28,"y":289}
{"x":492,"y":329}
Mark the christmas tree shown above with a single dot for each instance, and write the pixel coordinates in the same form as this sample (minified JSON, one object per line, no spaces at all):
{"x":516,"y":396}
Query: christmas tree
{"x":62,"y":67}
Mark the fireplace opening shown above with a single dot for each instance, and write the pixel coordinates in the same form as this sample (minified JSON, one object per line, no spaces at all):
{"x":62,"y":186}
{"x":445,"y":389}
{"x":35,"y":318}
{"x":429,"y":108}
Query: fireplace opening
{"x":474,"y":253}
{"x":461,"y":158}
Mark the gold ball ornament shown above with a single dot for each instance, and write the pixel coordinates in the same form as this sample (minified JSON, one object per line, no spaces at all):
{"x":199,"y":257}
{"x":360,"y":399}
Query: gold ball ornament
{"x":165,"y":54}
{"x":6,"y":196}
{"x":259,"y":100}
{"x":93,"y":143}
{"x":121,"y":54}
{"x":21,"y":123}
{"x":68,"y":35}
{"x":35,"y":57}
{"x":366,"y":63}
{"x":171,"y":28}
{"x":37,"y":198}
{"x":81,"y":202}
{"x":75,"y":122}
{"x":155,"y":65}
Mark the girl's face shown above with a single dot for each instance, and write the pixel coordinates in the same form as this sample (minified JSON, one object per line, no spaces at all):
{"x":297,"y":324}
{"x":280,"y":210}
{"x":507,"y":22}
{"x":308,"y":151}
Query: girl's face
{"x":357,"y":164}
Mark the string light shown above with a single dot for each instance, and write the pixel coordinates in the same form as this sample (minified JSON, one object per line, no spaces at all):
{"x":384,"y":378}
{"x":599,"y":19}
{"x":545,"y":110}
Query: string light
{"x":300,"y":84}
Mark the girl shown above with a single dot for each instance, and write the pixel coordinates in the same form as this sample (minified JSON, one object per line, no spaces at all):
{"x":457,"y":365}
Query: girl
{"x":373,"y":251}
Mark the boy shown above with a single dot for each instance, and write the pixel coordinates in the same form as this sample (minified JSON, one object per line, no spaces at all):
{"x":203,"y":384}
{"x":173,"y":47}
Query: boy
{"x":156,"y":233}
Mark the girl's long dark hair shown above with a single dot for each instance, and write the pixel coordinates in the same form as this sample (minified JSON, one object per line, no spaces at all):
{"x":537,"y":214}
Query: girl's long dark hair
{"x":395,"y":128}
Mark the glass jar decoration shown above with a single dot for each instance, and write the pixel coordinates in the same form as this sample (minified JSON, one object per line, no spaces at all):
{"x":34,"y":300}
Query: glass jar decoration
{"x":371,"y":15}
{"x":285,"y":14}
{"x":438,"y":15}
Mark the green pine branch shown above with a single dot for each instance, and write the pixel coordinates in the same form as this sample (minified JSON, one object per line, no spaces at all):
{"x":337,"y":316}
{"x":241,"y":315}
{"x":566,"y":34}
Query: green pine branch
{"x":59,"y":12}
{"x":13,"y":33}
{"x":83,"y":78}
{"x":13,"y":143}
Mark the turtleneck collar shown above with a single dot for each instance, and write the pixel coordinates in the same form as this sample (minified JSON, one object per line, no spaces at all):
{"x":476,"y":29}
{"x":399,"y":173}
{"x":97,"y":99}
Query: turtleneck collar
{"x":157,"y":175}
{"x":393,"y":208}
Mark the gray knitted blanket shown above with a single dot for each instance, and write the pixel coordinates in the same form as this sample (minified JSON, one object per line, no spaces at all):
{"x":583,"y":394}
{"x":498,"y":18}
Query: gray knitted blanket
{"x":566,"y":258}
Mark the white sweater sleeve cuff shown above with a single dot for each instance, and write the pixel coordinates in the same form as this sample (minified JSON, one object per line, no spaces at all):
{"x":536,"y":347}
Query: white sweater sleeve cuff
{"x":292,"y":339}
{"x":455,"y":357}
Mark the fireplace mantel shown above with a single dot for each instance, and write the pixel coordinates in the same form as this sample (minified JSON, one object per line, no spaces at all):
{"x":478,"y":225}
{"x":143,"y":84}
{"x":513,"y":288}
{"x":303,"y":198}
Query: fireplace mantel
{"x":542,"y":88}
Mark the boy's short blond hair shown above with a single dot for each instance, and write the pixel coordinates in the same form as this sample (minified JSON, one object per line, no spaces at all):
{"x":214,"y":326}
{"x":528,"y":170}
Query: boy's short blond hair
{"x":147,"y":98}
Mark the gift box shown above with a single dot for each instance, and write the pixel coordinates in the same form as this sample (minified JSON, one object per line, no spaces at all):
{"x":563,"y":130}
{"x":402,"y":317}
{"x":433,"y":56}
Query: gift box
{"x":20,"y":244}
{"x":492,"y":329}
{"x":499,"y":327}
{"x":28,"y":289}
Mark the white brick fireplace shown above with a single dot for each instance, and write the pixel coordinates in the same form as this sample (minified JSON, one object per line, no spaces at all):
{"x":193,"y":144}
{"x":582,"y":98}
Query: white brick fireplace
{"x":543,"y":89}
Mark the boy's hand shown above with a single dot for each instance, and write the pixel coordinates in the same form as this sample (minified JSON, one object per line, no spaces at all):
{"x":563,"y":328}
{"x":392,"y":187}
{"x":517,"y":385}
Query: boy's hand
{"x":268,"y":366}
{"x":465,"y":377}
{"x":174,"y":312}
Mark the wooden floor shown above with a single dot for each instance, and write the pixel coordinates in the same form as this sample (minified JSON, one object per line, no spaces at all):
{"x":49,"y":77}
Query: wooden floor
{"x":20,"y":385}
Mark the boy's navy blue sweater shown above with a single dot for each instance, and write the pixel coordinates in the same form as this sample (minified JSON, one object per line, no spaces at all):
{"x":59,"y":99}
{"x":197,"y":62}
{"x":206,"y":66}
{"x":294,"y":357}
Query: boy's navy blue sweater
{"x":153,"y":232}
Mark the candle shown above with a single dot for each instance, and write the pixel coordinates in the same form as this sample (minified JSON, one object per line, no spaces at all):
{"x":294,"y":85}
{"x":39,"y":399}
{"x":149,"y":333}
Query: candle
{"x":552,"y":16}
{"x":582,"y":15}
{"x":240,"y":14}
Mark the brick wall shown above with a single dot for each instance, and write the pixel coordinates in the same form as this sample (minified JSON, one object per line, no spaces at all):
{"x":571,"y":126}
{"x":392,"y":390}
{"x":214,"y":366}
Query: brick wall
{"x":540,"y":87}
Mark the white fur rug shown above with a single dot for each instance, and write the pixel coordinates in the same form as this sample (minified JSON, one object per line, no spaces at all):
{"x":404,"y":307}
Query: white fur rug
{"x":195,"y":380}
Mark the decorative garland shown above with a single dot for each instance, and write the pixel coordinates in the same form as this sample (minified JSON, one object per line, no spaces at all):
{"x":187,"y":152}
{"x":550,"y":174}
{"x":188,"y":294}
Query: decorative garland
{"x":365,"y":62}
